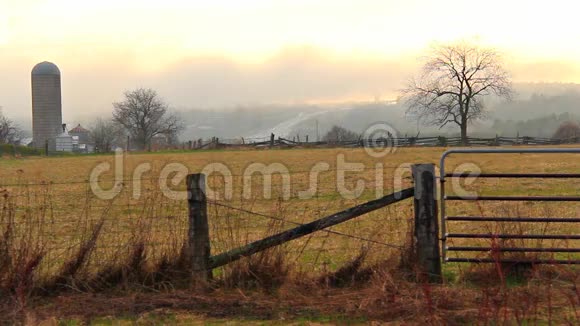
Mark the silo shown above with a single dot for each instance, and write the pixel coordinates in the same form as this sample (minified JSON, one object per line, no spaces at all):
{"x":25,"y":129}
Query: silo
{"x":46,"y":105}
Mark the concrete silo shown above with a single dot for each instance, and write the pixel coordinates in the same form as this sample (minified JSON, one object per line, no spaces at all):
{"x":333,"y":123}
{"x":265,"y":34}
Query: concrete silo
{"x":46,"y":105}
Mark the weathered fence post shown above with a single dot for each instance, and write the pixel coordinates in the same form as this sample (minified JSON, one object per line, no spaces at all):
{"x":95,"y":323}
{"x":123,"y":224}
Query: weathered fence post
{"x":46,"y":148}
{"x":426,"y":234}
{"x":198,"y":235}
{"x":272,"y":140}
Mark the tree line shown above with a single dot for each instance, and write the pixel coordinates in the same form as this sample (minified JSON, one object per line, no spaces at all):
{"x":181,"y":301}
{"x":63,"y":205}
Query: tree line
{"x":140,"y":117}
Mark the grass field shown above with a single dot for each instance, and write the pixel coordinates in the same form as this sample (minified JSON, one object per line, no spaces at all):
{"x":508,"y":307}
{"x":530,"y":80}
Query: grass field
{"x":55,"y":214}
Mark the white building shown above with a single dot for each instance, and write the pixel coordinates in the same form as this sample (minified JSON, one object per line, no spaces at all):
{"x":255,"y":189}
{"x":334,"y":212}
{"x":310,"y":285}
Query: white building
{"x":64,"y":141}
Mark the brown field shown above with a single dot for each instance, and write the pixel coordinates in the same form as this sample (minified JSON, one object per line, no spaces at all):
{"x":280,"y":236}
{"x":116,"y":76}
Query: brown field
{"x":55,"y":215}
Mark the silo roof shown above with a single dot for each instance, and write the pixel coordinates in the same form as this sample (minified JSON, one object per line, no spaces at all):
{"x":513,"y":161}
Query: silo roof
{"x":45,"y":68}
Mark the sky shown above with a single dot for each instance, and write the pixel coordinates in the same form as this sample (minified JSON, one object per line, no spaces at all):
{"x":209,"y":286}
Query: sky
{"x":218,"y":53}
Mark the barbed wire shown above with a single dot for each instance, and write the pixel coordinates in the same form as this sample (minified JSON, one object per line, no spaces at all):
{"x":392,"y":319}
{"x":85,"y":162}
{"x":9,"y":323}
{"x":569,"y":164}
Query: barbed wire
{"x":300,"y":224}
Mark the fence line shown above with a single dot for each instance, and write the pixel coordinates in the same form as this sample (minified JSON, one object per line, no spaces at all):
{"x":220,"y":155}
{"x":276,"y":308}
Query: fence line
{"x":433,"y":141}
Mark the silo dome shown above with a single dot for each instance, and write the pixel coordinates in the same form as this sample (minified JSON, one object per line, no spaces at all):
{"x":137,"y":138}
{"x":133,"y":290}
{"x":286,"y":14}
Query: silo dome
{"x":45,"y":68}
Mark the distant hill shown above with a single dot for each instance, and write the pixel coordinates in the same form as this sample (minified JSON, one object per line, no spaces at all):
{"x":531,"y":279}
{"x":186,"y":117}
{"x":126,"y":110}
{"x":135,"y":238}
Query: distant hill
{"x":536,"y":111}
{"x":534,"y":101}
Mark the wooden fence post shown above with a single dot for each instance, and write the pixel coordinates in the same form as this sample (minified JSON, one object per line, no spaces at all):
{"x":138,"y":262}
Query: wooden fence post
{"x":426,"y":234}
{"x":272,"y":140}
{"x":198,"y":235}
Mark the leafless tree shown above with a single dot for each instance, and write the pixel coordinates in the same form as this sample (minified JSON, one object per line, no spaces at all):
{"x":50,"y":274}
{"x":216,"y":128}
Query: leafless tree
{"x":567,"y":131}
{"x":9,"y":131}
{"x":337,"y":134}
{"x":454,"y":80}
{"x":144,"y":115}
{"x":105,"y":134}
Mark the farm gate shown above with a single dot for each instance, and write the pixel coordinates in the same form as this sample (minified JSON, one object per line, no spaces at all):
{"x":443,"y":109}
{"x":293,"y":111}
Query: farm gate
{"x":495,"y":250}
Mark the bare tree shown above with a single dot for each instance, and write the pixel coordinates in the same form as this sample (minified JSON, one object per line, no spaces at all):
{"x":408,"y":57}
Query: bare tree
{"x":144,"y":115}
{"x":454,"y":80}
{"x":337,"y":134}
{"x":105,"y":134}
{"x":9,"y":131}
{"x":567,"y":131}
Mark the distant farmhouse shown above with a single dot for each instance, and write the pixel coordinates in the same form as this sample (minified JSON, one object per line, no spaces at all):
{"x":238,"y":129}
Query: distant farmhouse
{"x":82,"y":141}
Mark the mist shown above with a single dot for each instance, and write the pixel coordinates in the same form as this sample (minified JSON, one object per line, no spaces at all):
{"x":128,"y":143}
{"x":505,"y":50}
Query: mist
{"x":294,"y":81}
{"x":297,"y":75}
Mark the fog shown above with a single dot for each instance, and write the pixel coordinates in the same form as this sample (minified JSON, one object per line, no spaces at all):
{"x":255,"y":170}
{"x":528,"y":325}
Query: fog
{"x":297,"y":75}
{"x":288,"y":81}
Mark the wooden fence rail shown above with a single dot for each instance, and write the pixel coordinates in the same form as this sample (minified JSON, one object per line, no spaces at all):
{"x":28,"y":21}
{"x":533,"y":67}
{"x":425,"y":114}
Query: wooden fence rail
{"x":272,"y":142}
{"x":426,"y":230}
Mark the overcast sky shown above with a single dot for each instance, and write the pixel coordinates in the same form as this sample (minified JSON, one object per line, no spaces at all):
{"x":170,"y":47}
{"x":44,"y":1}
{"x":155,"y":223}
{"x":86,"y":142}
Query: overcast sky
{"x":222,"y":53}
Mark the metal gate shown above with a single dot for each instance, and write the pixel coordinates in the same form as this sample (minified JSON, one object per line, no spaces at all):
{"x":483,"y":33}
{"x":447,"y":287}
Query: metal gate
{"x":574,"y":237}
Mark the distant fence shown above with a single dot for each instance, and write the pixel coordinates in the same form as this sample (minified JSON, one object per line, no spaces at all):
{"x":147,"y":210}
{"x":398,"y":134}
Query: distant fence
{"x":435,"y":141}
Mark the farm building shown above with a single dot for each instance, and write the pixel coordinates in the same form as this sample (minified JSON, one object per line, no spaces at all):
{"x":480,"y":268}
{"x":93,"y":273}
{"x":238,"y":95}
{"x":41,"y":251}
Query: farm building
{"x":64,"y":141}
{"x":82,"y":141}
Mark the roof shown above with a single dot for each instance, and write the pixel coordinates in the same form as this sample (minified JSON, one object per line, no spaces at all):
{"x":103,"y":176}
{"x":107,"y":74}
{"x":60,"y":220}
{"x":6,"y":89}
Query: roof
{"x":45,"y":68}
{"x":78,"y":130}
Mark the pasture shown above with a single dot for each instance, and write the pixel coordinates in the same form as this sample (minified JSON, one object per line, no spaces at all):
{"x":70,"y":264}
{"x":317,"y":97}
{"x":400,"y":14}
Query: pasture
{"x":55,"y":214}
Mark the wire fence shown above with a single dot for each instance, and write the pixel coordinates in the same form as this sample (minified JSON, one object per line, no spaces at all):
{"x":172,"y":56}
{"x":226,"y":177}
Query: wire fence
{"x":60,"y":219}
{"x":69,"y":225}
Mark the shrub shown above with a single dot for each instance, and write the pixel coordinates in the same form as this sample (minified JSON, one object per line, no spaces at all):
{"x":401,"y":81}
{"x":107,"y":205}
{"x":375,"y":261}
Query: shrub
{"x":567,"y":130}
{"x":338,"y":134}
{"x":15,"y":150}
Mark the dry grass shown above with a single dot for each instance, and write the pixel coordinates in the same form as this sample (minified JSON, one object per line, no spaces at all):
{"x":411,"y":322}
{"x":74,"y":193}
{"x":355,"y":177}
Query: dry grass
{"x":385,"y":295}
{"x":60,"y":238}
